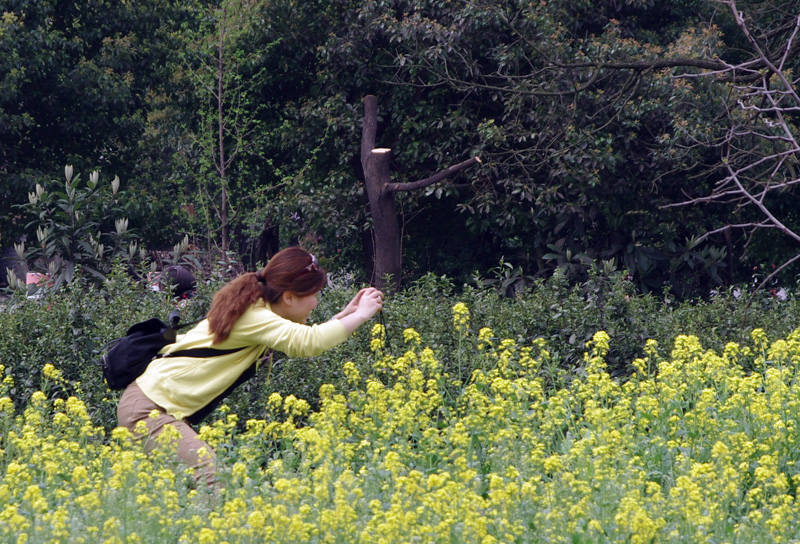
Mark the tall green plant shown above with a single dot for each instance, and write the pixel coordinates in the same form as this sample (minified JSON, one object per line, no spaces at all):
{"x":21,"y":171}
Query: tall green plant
{"x":78,"y":225}
{"x":222,"y":68}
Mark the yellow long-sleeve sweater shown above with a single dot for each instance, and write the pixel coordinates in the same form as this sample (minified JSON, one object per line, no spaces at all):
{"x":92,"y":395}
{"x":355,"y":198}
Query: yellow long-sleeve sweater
{"x":184,"y":385}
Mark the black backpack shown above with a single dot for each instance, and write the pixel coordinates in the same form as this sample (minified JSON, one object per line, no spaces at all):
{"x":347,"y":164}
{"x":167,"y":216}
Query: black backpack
{"x":126,"y":358}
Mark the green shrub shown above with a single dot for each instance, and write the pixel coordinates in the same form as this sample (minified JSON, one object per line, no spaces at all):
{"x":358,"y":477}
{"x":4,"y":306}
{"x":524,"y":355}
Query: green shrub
{"x":78,"y":226}
{"x":70,"y":326}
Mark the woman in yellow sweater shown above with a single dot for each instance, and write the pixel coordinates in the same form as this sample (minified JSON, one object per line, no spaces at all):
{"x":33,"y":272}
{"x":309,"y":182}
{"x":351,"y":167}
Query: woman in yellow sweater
{"x":255,"y":312}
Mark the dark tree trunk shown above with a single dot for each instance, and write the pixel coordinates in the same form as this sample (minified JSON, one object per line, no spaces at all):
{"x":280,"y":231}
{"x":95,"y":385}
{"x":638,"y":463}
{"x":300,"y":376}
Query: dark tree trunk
{"x":268,"y":243}
{"x":385,"y":224}
{"x":376,"y":163}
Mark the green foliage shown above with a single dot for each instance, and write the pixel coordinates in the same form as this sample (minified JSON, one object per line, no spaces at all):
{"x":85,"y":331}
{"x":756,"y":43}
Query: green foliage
{"x":578,"y":160}
{"x":221,"y":70}
{"x":75,"y":82}
{"x":68,"y":328}
{"x":565,"y":315}
{"x":79,"y":225}
{"x":568,"y":177}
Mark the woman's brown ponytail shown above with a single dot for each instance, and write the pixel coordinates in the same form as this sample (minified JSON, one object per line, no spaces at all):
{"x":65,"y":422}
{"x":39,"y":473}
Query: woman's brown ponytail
{"x":292,"y":269}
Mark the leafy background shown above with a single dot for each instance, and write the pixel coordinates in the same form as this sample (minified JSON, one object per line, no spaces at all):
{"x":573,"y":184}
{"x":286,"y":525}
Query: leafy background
{"x":569,"y":178}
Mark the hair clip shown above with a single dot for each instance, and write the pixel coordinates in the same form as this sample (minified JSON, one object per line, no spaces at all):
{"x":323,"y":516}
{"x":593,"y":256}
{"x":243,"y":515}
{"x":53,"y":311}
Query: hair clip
{"x":314,"y":265}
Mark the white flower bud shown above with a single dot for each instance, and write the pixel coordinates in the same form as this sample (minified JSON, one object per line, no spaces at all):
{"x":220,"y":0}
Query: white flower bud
{"x":11,"y":278}
{"x":39,"y":190}
{"x":19,"y":249}
{"x":32,"y":198}
{"x":121,"y":225}
{"x":115,"y":184}
{"x":68,"y":172}
{"x":94,"y":177}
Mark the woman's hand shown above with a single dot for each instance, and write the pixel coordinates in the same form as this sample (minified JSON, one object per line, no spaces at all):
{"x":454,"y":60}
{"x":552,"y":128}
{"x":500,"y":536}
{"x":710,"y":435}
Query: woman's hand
{"x":369,"y":303}
{"x":364,"y":305}
{"x":352,"y":305}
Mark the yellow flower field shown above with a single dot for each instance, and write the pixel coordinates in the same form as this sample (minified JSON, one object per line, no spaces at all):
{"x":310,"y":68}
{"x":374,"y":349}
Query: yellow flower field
{"x":690,"y":448}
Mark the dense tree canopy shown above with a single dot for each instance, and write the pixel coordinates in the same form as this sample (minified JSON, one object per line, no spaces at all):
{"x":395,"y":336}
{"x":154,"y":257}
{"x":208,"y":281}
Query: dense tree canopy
{"x":75,"y":81}
{"x":591,"y":117}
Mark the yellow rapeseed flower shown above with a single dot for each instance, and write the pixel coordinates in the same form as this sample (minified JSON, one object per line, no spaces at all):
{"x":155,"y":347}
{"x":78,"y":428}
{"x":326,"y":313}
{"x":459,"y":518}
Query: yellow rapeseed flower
{"x":460,"y":318}
{"x":411,"y":336}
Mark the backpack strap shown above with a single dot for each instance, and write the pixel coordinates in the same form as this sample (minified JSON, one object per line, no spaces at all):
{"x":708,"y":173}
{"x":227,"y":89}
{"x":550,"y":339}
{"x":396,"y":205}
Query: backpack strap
{"x":199,"y":415}
{"x":202,"y":353}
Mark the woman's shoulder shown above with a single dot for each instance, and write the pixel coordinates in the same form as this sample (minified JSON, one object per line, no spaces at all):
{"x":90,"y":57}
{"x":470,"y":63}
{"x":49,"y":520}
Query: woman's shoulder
{"x":258,"y":312}
{"x":259,"y":306}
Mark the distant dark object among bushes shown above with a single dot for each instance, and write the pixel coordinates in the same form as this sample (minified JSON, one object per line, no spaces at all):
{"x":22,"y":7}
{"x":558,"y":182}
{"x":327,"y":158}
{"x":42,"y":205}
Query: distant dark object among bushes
{"x":176,"y":277}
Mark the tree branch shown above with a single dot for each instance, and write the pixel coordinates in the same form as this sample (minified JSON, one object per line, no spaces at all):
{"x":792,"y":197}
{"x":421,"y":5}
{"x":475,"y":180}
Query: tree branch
{"x":410,"y":186}
{"x":762,"y":208}
{"x":763,"y":56}
{"x":763,"y":225}
{"x":647,"y":65}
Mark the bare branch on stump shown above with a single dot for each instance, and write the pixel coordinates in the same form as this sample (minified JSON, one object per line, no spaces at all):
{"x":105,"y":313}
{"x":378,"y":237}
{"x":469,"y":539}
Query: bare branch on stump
{"x":411,"y":186}
{"x":376,"y":163}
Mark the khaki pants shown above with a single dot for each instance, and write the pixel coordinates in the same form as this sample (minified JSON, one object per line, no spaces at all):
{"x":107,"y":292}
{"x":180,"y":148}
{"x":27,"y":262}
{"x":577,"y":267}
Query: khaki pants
{"x":135,"y":406}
